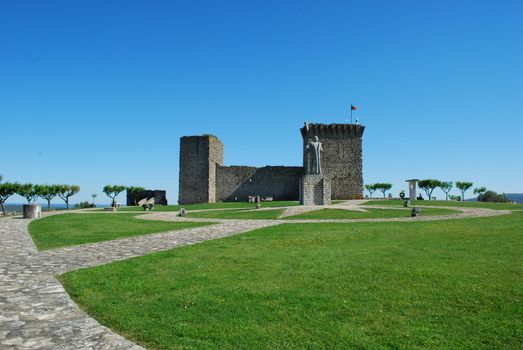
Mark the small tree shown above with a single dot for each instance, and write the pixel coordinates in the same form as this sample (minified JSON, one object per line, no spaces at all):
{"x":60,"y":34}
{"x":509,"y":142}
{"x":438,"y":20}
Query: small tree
{"x":463,"y":186}
{"x":112,"y":191}
{"x":382,"y":187}
{"x":429,"y":185}
{"x":48,"y":192}
{"x":67,"y":191}
{"x":94,"y":195}
{"x":29,"y":192}
{"x":370,"y":188}
{"x":446,"y":186}
{"x":134,"y":190}
{"x":7,"y":189}
{"x":480,"y":190}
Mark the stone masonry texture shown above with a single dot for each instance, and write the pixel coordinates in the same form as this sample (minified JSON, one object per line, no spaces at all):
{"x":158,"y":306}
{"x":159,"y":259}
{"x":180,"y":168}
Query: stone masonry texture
{"x":205,"y":179}
{"x":341,"y":159}
{"x":240,"y":182}
{"x":199,"y":156}
{"x":315,"y":190}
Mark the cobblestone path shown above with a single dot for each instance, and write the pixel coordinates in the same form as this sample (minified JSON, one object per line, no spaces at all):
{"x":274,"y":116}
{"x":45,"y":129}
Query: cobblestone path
{"x":36,"y":311}
{"x":463,"y":213}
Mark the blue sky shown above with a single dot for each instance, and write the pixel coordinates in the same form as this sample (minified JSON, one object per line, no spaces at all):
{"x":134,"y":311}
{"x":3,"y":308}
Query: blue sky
{"x":99,"y":92}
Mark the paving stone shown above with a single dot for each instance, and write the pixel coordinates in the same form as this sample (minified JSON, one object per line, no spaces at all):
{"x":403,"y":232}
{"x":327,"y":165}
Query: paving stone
{"x":36,"y":311}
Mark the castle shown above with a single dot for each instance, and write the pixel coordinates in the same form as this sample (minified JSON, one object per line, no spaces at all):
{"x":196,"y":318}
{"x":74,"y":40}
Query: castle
{"x":205,"y":179}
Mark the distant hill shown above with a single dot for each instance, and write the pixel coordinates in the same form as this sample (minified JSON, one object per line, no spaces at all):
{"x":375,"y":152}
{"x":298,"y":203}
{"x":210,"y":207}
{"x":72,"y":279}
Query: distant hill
{"x":518,"y":197}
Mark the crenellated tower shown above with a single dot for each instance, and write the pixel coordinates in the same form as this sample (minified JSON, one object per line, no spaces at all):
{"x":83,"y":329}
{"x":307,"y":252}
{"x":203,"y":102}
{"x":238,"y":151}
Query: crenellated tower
{"x":341,"y":159}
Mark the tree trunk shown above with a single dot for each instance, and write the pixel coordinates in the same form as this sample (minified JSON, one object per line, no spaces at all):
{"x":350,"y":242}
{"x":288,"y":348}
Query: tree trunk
{"x":3,"y":209}
{"x":48,"y":205}
{"x":67,"y":203}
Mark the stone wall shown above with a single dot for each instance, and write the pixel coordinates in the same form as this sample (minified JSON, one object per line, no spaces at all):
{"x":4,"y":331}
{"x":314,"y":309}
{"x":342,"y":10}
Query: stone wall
{"x":160,"y":197}
{"x":315,"y":190}
{"x":199,"y":156}
{"x":204,"y":179}
{"x":341,"y":157}
{"x":237,"y":183}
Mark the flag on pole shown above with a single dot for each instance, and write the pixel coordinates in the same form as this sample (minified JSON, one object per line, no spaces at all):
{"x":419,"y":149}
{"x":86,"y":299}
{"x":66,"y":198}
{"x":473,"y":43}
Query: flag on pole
{"x":353,"y":108}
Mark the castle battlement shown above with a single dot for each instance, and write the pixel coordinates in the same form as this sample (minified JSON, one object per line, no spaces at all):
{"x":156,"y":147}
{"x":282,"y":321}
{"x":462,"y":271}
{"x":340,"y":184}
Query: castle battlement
{"x":205,"y":179}
{"x":332,"y":130}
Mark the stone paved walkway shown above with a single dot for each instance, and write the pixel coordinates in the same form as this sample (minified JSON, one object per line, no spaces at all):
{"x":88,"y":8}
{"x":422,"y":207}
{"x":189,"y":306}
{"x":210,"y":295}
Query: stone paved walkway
{"x":37,"y":313}
{"x":463,"y":213}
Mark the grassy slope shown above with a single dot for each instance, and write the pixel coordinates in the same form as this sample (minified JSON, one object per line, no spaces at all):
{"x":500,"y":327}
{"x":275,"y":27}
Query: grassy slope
{"x":497,"y":206}
{"x":72,"y":229}
{"x":448,"y":284}
{"x":370,"y":214}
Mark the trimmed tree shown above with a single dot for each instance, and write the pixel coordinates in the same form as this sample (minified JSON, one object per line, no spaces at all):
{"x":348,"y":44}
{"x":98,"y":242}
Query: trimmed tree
{"x":67,"y":191}
{"x":112,"y":191}
{"x":370,"y":188}
{"x":463,"y":186}
{"x":480,"y":190}
{"x":382,"y":187}
{"x":28,"y":191}
{"x":94,"y":195}
{"x":48,"y":192}
{"x":7,"y":189}
{"x":446,"y":186}
{"x":429,"y":185}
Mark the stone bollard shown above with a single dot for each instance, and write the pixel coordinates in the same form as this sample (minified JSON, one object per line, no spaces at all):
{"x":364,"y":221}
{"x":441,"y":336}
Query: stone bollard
{"x":32,"y":211}
{"x":182,"y":212}
{"x":406,"y":203}
{"x":415,"y":211}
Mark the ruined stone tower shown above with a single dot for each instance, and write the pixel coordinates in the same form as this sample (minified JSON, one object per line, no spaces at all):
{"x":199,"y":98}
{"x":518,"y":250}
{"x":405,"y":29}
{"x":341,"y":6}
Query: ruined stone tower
{"x":341,"y":158}
{"x":199,"y":156}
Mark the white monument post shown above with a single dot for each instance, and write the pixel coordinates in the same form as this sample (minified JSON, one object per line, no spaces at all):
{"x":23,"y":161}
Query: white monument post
{"x":412,"y":188}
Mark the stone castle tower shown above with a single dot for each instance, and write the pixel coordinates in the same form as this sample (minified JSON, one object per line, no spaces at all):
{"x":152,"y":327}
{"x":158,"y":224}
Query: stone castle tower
{"x":199,"y":156}
{"x":341,"y":160}
{"x":205,"y":179}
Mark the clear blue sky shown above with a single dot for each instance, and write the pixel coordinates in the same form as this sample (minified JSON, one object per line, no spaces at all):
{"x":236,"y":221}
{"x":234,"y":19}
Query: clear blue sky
{"x":99,"y":92}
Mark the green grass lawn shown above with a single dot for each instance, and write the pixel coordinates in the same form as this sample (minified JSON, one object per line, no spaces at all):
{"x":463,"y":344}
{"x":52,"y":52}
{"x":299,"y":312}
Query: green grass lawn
{"x":246,"y":214}
{"x":72,"y":229}
{"x":370,"y":214}
{"x":498,"y":206}
{"x":221,"y":205}
{"x":444,"y":284}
